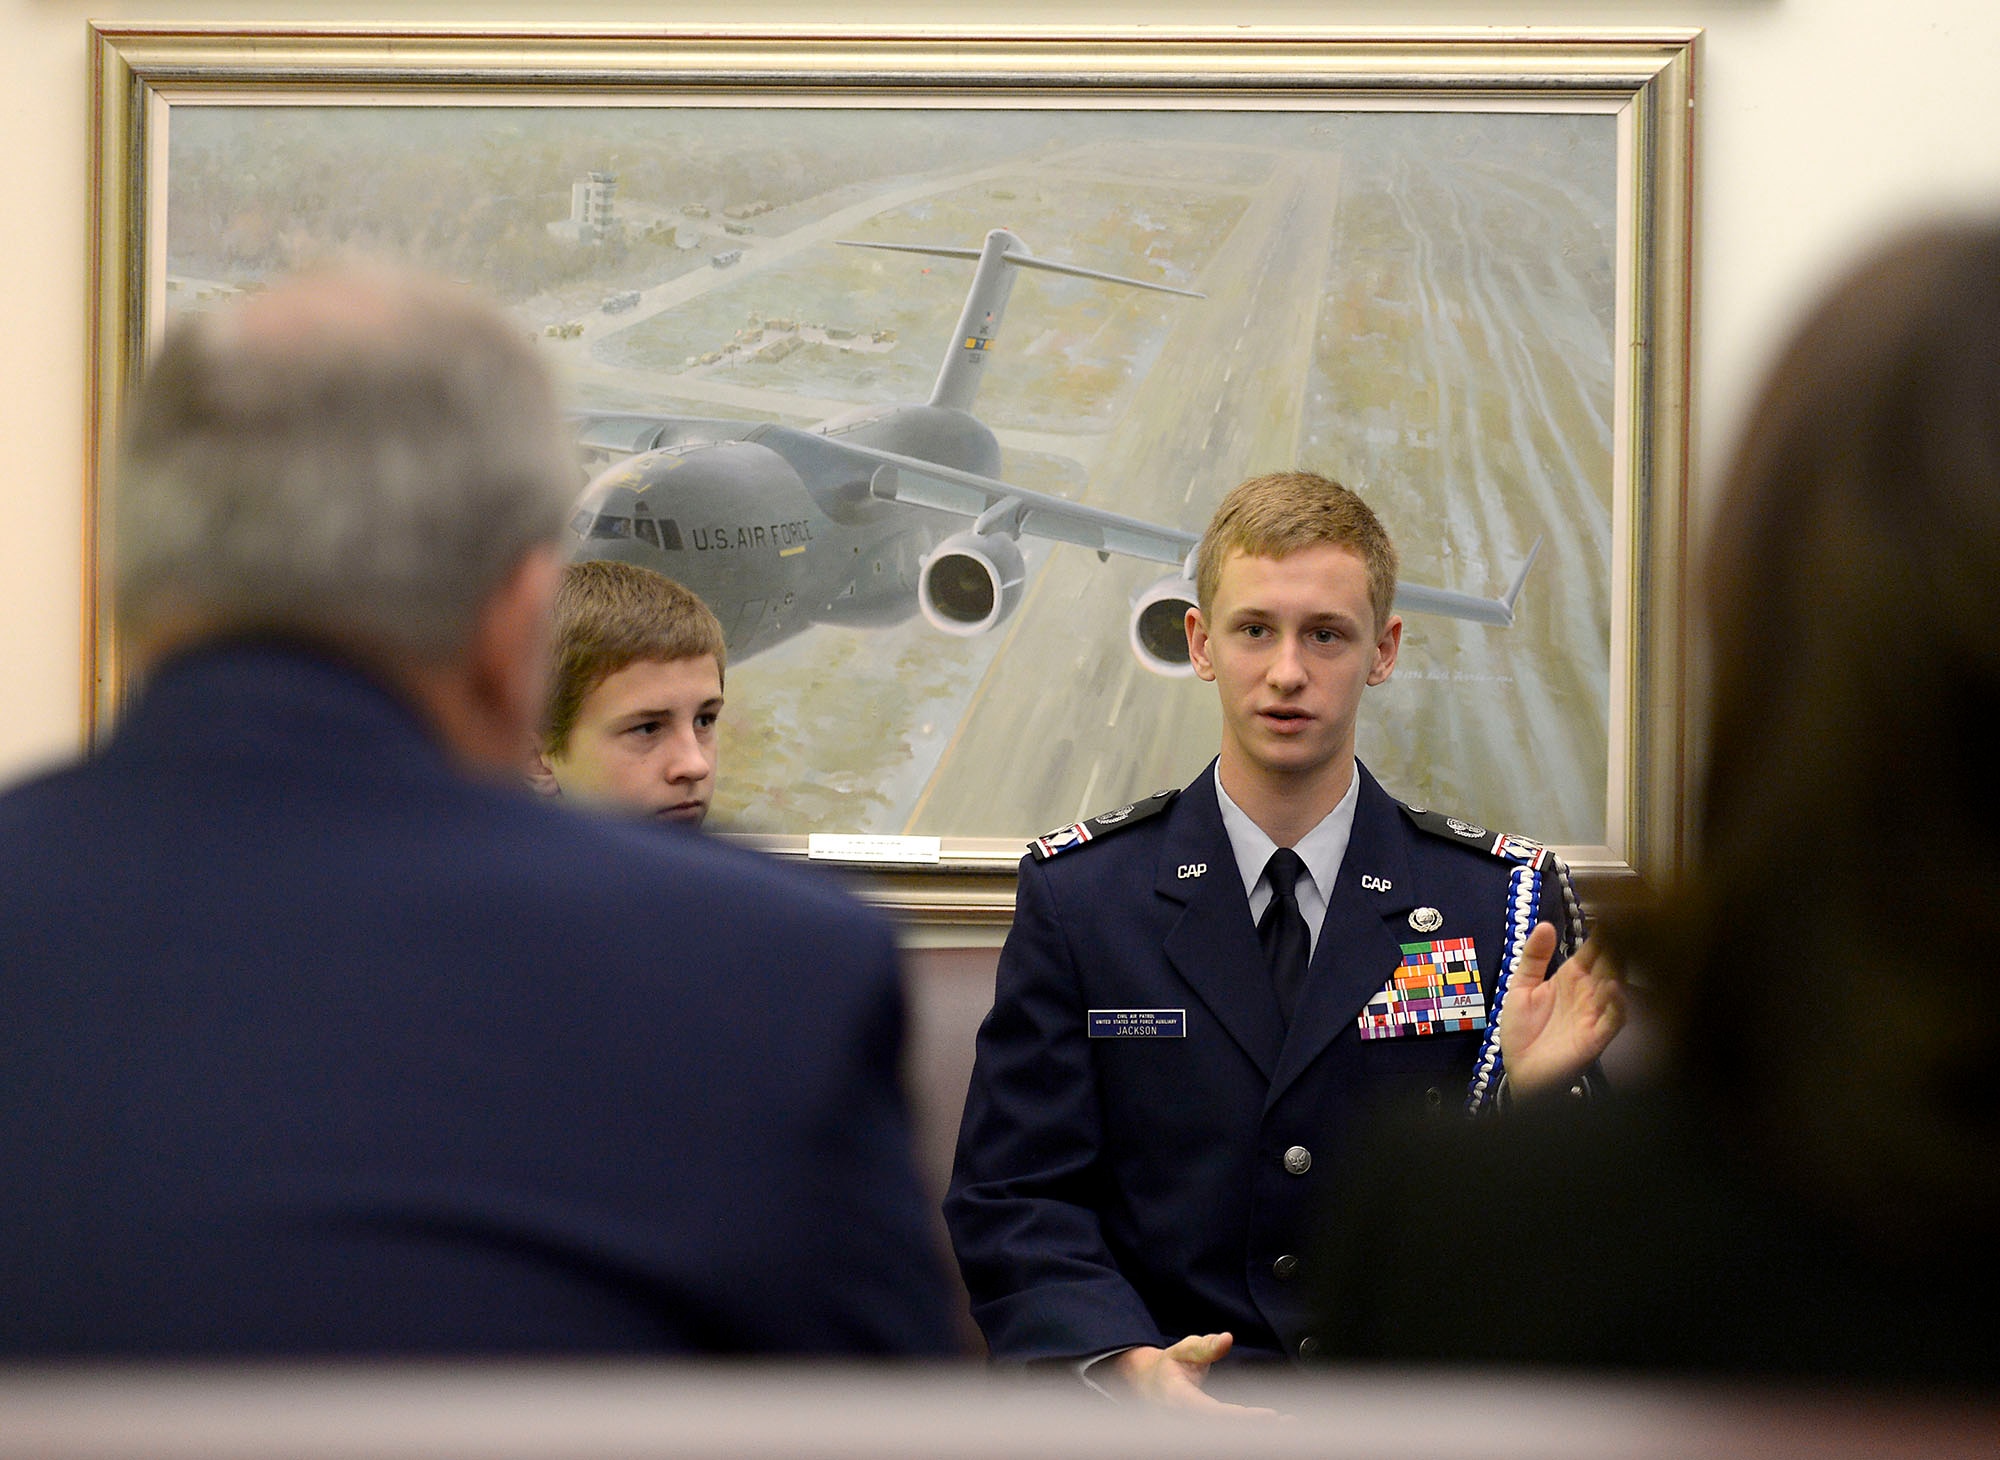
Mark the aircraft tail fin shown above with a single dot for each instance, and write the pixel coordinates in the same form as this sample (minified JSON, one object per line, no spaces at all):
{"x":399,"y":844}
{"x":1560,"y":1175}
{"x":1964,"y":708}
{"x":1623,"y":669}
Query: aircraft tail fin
{"x":986,"y":303}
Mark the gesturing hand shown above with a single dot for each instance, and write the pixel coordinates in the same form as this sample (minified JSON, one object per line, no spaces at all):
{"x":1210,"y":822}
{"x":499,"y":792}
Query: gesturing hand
{"x":1173,"y":1377}
{"x":1552,"y":1028}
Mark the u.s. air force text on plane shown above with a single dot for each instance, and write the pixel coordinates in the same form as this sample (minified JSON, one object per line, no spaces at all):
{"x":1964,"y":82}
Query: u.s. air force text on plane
{"x":780,"y":535}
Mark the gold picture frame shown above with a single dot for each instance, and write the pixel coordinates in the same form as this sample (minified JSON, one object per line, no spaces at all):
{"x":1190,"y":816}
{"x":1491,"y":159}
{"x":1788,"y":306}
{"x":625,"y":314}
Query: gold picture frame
{"x":1637,"y":85}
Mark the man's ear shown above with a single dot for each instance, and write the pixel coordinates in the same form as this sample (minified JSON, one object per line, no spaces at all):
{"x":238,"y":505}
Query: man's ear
{"x":1386,"y":649}
{"x":1197,"y":637}
{"x":507,"y":660}
{"x":541,"y":775}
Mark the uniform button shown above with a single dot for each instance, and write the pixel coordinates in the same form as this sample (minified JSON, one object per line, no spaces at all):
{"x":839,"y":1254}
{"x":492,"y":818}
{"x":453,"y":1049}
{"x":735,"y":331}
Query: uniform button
{"x":1308,"y":1347}
{"x":1285,"y":1268}
{"x":1298,"y":1160}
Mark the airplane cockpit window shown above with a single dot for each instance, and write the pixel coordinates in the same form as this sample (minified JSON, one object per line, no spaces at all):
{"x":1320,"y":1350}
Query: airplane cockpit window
{"x":663,"y":532}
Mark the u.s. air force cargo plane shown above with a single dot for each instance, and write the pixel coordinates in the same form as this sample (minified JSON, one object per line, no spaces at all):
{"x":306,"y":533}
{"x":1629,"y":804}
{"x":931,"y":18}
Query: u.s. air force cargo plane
{"x":885,"y":511}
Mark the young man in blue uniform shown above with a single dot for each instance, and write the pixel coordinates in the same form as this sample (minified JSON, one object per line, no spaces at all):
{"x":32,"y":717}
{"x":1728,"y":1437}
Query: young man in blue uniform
{"x":1184,"y":1039}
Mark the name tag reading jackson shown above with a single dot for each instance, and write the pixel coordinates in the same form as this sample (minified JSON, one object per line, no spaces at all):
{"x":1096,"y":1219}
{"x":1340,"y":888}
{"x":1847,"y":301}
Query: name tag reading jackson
{"x":1137,"y":1023}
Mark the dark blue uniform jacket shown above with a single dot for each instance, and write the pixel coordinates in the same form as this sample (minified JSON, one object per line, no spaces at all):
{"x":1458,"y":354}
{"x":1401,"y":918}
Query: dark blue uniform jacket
{"x":311,"y":1044}
{"x":1118,"y":1191}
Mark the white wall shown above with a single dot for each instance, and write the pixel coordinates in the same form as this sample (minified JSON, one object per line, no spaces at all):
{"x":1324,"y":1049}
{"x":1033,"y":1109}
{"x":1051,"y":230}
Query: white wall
{"x":1820,"y":122}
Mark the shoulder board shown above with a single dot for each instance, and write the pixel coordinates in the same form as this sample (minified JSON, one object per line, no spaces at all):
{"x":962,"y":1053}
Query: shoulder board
{"x":1068,"y":838}
{"x":1496,"y":843}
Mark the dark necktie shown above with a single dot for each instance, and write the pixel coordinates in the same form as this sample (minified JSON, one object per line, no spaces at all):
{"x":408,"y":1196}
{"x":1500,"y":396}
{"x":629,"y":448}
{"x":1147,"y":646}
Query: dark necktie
{"x":1282,"y":929}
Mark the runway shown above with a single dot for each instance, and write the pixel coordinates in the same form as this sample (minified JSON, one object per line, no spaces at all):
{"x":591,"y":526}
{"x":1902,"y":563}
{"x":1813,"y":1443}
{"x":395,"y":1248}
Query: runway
{"x":1065,"y":723}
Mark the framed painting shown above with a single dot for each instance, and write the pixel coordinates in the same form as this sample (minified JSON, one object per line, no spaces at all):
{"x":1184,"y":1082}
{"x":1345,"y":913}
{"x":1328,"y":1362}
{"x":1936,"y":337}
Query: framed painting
{"x":925,"y":357}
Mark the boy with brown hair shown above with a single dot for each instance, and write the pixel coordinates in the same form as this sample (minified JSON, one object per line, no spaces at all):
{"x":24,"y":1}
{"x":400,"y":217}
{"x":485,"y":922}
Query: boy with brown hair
{"x":634,"y":696}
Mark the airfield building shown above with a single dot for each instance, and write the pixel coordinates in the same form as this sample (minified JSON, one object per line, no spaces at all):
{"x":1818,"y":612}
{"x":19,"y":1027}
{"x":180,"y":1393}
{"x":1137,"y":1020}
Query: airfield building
{"x":592,"y":217}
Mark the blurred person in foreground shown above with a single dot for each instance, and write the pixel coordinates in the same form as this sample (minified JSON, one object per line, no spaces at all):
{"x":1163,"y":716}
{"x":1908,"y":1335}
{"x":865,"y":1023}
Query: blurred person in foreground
{"x":323,"y":1036}
{"x":634,"y":695}
{"x":1814,"y":1186}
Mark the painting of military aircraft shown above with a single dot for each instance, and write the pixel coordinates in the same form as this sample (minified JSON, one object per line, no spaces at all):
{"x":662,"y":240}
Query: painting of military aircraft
{"x":888,"y":511}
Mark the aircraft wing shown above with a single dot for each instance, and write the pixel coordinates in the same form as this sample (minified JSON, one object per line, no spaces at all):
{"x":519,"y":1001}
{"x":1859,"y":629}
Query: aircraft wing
{"x":898,"y":478}
{"x":1417,"y":598}
{"x":989,"y":502}
{"x":967,"y":494}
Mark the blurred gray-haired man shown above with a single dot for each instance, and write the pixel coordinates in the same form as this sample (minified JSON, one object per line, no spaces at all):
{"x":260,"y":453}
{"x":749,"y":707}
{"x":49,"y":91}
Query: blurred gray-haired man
{"x":322,"y":1035}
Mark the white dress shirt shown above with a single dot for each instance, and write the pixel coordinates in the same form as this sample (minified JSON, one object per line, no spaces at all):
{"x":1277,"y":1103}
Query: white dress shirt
{"x":1322,"y":849}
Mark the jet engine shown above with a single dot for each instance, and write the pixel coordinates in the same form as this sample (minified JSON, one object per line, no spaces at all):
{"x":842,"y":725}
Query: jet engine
{"x":1159,"y":626}
{"x":969,"y":582}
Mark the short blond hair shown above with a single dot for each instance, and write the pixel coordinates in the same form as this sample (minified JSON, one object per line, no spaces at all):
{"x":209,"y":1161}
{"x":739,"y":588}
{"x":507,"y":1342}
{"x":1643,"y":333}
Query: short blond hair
{"x":609,"y":615}
{"x":1283,"y":512}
